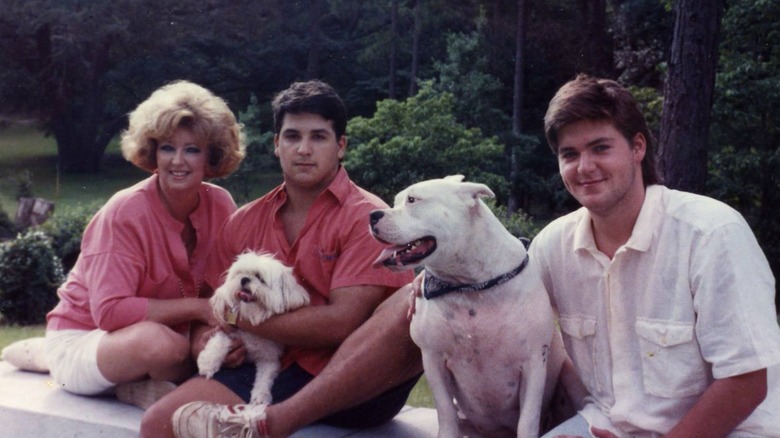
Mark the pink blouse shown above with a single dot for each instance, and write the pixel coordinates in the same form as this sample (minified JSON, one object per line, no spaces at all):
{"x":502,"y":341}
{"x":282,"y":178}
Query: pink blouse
{"x":132,"y":251}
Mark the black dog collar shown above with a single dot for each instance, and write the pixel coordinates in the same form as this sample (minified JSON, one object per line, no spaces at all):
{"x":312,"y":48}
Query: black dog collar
{"x":435,"y":287}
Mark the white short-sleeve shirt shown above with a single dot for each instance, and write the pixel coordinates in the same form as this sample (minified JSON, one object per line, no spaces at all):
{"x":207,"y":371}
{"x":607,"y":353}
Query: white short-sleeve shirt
{"x":688,"y":299}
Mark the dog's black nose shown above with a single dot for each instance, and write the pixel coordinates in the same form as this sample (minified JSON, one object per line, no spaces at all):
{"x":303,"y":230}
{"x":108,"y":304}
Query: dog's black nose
{"x":375,"y":216}
{"x":244,"y":281}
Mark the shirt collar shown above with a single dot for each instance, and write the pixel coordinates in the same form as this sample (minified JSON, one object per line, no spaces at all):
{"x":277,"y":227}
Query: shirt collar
{"x":196,"y":217}
{"x":647,"y":221}
{"x":339,"y":188}
{"x":641,"y":235}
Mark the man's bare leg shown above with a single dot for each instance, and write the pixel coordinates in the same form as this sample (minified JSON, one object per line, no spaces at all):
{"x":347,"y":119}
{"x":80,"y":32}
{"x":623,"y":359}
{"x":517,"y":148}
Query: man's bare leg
{"x":378,"y":356}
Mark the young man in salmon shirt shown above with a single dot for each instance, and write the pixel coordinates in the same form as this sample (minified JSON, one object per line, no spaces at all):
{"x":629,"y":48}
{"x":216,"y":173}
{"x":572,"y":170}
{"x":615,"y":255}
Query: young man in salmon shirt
{"x":317,"y":223}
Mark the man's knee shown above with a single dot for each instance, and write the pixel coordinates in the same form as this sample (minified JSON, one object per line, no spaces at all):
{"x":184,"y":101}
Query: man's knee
{"x":392,"y":313}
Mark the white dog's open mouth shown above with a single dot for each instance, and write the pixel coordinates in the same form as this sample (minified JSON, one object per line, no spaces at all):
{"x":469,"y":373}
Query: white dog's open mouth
{"x":245,"y":296}
{"x":403,"y":255}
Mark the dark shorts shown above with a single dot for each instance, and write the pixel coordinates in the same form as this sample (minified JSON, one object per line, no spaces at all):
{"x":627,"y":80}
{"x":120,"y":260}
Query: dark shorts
{"x":372,"y":413}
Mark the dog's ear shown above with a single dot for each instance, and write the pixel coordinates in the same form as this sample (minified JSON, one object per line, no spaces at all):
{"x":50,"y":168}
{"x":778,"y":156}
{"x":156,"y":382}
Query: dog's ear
{"x":473,"y":192}
{"x":219,"y":304}
{"x":295,"y":295}
{"x":453,"y":178}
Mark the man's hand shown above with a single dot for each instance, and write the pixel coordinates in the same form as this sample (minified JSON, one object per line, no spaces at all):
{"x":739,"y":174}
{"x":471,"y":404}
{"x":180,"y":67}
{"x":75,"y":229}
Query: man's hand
{"x":596,"y":432}
{"x":237,"y":353}
{"x":415,"y":293}
{"x":602,"y":433}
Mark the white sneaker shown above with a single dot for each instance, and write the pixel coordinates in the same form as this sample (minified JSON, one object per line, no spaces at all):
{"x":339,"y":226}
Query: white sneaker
{"x":210,"y":420}
{"x":143,"y":393}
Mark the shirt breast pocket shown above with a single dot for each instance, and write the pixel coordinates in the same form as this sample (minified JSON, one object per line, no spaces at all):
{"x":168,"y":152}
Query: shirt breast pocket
{"x":579,"y":337}
{"x":672,"y":365}
{"x":318,"y":268}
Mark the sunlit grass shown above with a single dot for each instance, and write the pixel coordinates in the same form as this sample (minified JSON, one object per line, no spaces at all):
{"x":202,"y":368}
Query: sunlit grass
{"x":421,"y":395}
{"x":12,"y":333}
{"x":25,"y":149}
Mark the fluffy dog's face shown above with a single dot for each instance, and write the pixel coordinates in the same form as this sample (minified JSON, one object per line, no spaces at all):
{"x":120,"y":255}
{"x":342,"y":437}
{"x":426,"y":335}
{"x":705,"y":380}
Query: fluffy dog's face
{"x":427,"y":222}
{"x":259,"y":286}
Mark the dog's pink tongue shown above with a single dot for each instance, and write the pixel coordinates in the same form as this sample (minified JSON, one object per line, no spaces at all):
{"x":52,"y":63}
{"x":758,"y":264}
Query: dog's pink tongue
{"x":387,"y":257}
{"x":243,"y":296}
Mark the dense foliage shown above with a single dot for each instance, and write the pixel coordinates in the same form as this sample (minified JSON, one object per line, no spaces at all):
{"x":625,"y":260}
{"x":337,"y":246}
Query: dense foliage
{"x":419,"y":139}
{"x":30,"y":273}
{"x":78,"y":67}
{"x":745,"y":160}
{"x":65,"y":229}
{"x":7,"y":226}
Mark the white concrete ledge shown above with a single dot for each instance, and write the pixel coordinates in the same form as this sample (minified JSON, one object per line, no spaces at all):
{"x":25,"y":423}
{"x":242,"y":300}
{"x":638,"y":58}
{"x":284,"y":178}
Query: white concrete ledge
{"x":31,"y":406}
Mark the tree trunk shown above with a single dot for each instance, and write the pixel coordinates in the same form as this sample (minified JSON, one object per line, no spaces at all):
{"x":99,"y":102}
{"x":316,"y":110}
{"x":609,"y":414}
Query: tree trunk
{"x":393,"y":49}
{"x":688,"y":94}
{"x":81,"y":134}
{"x":519,"y":80}
{"x":598,"y":42}
{"x":415,"y":48}
{"x":315,"y":40}
{"x":518,"y":97}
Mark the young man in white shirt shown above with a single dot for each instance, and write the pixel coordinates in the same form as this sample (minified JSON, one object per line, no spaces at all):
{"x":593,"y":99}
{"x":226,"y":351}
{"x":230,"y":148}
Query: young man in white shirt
{"x":665,"y":298}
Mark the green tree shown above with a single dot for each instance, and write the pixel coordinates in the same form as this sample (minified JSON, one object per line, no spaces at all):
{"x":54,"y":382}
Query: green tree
{"x":464,"y":74}
{"x":745,"y":135}
{"x":79,"y":67}
{"x":417,"y":139}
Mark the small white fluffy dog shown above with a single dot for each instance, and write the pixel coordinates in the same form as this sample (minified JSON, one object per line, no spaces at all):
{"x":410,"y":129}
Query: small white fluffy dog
{"x":257,"y":287}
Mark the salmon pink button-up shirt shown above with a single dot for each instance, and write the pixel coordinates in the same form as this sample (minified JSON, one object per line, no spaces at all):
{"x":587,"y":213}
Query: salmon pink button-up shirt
{"x":132,"y":251}
{"x":334,"y":248}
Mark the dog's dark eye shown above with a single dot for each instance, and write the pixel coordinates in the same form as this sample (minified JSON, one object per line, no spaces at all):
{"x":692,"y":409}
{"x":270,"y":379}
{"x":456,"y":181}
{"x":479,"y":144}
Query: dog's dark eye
{"x":411,"y":199}
{"x":260,"y":278}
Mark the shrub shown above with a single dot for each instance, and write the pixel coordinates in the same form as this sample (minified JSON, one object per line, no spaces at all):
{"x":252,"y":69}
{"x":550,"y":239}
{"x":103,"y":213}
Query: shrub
{"x":259,"y":154}
{"x":7,"y":227}
{"x":417,"y":139}
{"x":518,"y":223}
{"x":65,"y":228}
{"x":30,"y":273}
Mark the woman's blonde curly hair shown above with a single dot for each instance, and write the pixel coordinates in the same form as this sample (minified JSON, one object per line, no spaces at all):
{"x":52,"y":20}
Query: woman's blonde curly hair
{"x":187,"y":105}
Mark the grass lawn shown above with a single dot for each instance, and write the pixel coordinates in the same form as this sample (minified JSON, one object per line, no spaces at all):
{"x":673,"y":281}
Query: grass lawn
{"x":11,"y":334}
{"x":23,"y":148}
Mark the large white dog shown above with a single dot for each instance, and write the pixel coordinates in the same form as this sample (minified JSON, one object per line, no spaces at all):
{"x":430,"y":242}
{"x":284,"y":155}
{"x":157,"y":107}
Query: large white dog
{"x":490,"y":348}
{"x":257,"y":287}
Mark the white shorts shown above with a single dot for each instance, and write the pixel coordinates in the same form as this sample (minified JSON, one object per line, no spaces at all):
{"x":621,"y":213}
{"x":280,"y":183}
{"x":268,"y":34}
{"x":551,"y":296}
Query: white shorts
{"x":72,"y":358}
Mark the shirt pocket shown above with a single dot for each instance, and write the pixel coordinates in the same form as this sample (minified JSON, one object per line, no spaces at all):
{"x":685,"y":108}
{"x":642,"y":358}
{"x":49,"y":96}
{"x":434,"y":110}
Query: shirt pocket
{"x":579,"y":337}
{"x":672,"y":365}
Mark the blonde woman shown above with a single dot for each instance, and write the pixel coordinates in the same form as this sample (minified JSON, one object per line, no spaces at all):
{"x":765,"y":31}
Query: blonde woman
{"x":136,"y":295}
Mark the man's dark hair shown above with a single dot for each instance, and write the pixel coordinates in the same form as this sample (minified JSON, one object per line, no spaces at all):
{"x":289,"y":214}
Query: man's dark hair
{"x":588,"y":98}
{"x":314,"y":97}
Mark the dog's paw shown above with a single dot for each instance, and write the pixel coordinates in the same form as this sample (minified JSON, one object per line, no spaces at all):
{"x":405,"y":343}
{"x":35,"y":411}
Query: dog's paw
{"x":207,"y":366}
{"x":263,"y":398}
{"x":210,"y":359}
